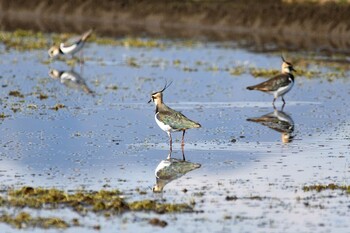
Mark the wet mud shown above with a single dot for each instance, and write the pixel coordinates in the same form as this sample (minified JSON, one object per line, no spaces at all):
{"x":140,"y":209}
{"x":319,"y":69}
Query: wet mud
{"x":260,"y":25}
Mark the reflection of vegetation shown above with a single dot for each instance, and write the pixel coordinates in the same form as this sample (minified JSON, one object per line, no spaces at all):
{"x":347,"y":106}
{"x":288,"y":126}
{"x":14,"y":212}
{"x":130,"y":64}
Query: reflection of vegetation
{"x":105,"y":202}
{"x":24,"y":219}
{"x":321,"y":187}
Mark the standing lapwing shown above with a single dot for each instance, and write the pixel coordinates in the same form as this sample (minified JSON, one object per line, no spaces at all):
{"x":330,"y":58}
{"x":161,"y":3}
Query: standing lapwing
{"x":278,"y":85}
{"x":71,"y":46}
{"x":170,"y":120}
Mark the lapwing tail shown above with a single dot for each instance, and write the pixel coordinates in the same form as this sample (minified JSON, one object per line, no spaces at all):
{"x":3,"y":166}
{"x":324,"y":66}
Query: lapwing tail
{"x":87,"y":34}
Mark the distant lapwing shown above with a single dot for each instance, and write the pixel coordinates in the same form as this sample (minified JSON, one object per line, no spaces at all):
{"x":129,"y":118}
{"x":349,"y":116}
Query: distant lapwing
{"x":71,"y":46}
{"x":278,"y":85}
{"x":71,"y":79}
{"x":170,"y":120}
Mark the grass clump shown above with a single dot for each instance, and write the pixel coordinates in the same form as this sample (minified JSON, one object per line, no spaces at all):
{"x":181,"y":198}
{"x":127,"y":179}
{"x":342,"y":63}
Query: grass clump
{"x":321,"y":187}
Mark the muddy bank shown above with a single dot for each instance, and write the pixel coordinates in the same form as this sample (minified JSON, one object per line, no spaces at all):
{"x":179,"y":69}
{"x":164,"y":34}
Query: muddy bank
{"x":261,"y":25}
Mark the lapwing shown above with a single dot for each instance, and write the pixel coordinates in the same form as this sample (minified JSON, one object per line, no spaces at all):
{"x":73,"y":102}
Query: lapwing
{"x":170,"y":120}
{"x":71,"y":79}
{"x":171,"y":169}
{"x":278,"y":121}
{"x":71,"y":46}
{"x":278,"y":85}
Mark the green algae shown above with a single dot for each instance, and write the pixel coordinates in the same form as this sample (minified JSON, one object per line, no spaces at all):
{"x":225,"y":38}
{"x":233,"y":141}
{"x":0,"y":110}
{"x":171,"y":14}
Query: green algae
{"x":103,"y":202}
{"x":95,"y":201}
{"x":320,"y":188}
{"x":150,"y":205}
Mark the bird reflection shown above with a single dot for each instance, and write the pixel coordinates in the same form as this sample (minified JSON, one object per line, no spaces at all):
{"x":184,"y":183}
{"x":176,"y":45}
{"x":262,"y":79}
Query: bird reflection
{"x":71,"y":79}
{"x":278,"y":121}
{"x":171,"y":169}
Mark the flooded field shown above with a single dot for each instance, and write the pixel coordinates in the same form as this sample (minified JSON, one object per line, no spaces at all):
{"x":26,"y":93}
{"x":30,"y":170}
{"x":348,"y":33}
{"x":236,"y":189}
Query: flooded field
{"x":244,"y":171}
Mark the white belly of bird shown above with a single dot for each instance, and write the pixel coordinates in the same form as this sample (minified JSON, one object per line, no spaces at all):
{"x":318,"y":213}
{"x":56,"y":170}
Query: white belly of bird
{"x":67,"y":76}
{"x":163,"y":126}
{"x":283,"y":90}
{"x":163,"y":164}
{"x":71,"y":49}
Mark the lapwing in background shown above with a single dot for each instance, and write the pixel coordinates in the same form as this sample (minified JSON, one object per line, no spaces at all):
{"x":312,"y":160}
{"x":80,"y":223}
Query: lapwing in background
{"x":278,"y":121}
{"x":72,"y":80}
{"x":278,"y":85}
{"x":170,"y":120}
{"x":71,"y":46}
{"x":171,"y":169}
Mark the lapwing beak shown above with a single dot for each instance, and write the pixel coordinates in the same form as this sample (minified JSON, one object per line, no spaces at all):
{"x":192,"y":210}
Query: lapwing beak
{"x":292,"y":68}
{"x":149,"y":101}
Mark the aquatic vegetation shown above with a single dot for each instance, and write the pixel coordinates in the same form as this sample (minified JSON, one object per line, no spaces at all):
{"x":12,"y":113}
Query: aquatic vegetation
{"x":16,"y":94}
{"x":58,"y":107}
{"x":42,"y":96}
{"x":3,"y":115}
{"x":23,"y":40}
{"x":268,"y":73}
{"x":105,"y":202}
{"x":132,"y":62}
{"x":237,"y":70}
{"x":321,"y":187}
{"x":150,"y":205}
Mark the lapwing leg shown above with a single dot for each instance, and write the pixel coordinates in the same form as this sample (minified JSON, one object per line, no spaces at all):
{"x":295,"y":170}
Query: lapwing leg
{"x":170,"y":141}
{"x":81,"y":57}
{"x":183,"y":154}
{"x":169,"y":155}
{"x":284,"y":103}
{"x":183,"y":138}
{"x":273,"y":102}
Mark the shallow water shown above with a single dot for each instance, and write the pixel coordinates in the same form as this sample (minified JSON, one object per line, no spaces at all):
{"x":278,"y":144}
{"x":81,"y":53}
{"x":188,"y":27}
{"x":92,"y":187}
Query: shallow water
{"x":111,"y":139}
